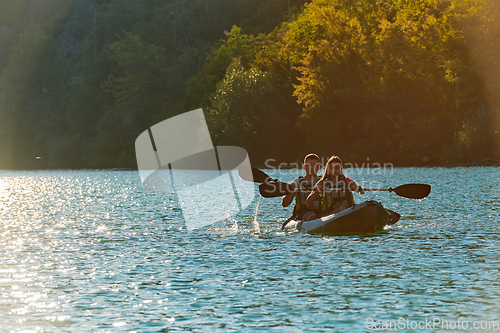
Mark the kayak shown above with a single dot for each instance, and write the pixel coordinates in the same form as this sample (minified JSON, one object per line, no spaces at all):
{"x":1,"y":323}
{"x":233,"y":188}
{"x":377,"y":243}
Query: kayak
{"x":366,"y":217}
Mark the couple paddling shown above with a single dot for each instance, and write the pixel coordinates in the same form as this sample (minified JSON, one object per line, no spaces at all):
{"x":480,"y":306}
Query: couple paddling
{"x":316,"y":197}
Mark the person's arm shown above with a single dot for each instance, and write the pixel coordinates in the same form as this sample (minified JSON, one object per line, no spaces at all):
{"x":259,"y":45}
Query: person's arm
{"x":355,"y":187}
{"x":287,"y":199}
{"x":314,"y":194}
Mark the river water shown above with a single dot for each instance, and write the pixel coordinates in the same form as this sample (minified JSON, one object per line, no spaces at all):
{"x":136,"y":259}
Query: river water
{"x":91,"y":251}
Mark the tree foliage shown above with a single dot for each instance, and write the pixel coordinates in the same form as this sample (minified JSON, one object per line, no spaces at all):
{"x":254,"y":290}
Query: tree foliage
{"x":387,"y":79}
{"x":397,"y":80}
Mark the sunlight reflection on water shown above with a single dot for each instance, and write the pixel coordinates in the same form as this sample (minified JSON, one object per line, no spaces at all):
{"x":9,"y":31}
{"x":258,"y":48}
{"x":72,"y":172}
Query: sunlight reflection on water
{"x":93,"y":251}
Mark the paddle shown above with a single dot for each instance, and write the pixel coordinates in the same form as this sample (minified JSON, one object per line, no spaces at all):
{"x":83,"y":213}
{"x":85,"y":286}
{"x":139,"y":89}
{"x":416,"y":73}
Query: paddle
{"x":274,"y":188}
{"x":253,"y":174}
{"x":286,"y":222}
{"x":271,"y":188}
{"x":411,"y":191}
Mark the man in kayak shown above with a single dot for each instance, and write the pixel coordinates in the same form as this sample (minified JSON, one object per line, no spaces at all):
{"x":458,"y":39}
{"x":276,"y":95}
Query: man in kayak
{"x":304,"y":186}
{"x":334,"y":189}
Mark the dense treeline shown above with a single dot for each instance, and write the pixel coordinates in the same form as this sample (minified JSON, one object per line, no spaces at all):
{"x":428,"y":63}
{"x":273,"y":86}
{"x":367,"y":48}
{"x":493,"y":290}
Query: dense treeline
{"x":408,"y":82}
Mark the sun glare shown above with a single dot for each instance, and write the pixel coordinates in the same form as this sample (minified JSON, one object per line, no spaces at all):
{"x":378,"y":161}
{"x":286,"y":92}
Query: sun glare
{"x":3,"y":188}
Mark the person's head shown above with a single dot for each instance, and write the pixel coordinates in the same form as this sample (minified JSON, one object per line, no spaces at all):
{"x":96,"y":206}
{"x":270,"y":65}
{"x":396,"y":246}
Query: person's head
{"x":311,"y":164}
{"x":333,"y":168}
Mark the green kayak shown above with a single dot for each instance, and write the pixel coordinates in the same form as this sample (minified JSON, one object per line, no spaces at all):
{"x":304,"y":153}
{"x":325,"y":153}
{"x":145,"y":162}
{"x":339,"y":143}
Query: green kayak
{"x":366,"y":217}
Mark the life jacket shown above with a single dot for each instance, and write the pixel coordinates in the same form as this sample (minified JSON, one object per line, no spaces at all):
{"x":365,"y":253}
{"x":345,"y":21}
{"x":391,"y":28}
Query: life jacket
{"x":332,"y":199}
{"x":305,"y":188}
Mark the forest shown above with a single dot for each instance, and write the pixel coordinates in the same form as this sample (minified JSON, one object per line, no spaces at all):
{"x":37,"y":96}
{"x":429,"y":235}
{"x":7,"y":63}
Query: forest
{"x":408,"y":82}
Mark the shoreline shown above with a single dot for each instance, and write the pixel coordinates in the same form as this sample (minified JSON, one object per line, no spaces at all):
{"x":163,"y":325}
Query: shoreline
{"x":487,"y":162}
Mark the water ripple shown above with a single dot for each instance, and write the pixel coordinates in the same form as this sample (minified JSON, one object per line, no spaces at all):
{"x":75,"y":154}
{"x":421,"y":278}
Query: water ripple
{"x":92,"y":251}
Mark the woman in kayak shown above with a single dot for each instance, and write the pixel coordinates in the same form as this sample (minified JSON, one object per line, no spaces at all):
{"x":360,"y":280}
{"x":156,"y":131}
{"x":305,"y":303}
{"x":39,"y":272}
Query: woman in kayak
{"x":304,"y":186}
{"x":334,"y":188}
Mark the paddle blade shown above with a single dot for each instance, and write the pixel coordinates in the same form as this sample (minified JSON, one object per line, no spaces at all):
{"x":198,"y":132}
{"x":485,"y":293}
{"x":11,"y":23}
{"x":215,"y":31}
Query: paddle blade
{"x":413,"y":191}
{"x":251,"y":174}
{"x":275,"y":189}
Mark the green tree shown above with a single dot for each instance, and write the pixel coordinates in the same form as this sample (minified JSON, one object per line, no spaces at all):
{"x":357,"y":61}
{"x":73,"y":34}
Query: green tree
{"x":141,"y":83}
{"x":247,"y":111}
{"x":394,"y":73}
